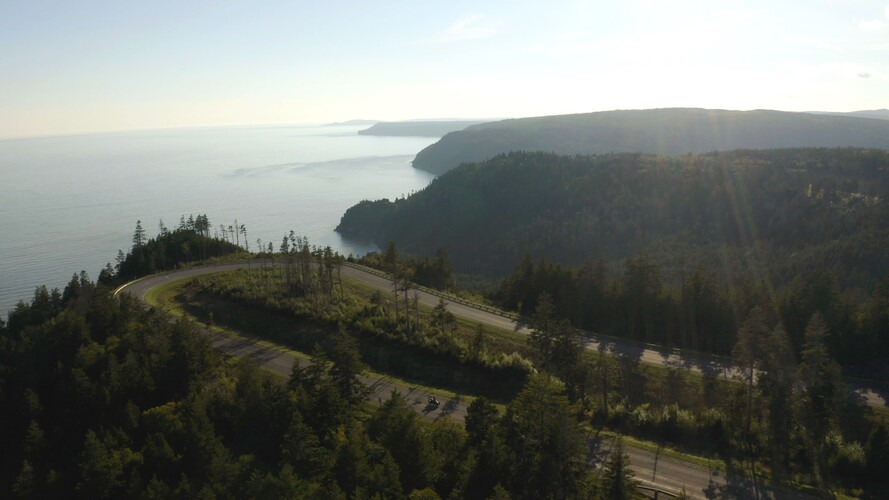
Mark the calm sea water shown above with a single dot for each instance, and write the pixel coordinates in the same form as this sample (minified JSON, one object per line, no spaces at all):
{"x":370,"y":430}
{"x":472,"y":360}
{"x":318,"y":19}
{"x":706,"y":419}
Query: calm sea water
{"x":69,"y":203}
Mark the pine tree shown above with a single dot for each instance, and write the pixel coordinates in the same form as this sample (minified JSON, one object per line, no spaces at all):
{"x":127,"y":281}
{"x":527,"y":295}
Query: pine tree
{"x":776,"y":382}
{"x":545,"y":442}
{"x":477,"y":347}
{"x":821,"y":379}
{"x":543,"y":323}
{"x":347,"y":366}
{"x":617,"y":479}
{"x":444,"y":319}
{"x":749,"y":352}
{"x":138,"y":235}
{"x":390,"y":257}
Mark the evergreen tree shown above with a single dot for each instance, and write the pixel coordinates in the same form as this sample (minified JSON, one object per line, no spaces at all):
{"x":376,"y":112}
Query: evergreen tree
{"x":347,"y":366}
{"x":390,"y":257}
{"x":545,"y":443}
{"x":822,"y":386}
{"x":617,"y":479}
{"x":776,"y":381}
{"x":750,"y":352}
{"x":139,"y":235}
{"x":397,"y":427}
{"x":487,"y":461}
{"x":481,"y":418}
{"x":543,"y":325}
{"x":444,"y":320}
{"x":477,"y":347}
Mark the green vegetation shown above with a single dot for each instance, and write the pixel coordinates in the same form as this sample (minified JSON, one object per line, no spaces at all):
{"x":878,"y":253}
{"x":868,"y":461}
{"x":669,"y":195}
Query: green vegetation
{"x":766,"y":424}
{"x":102,"y":398}
{"x":618,"y":480}
{"x":670,"y":132}
{"x":673,"y":251}
{"x":189,"y":242}
{"x":416,"y":346}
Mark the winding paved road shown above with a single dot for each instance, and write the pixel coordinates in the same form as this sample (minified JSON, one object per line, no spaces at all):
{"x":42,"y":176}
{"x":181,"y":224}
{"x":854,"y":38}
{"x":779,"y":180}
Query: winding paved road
{"x":281,"y":362}
{"x":645,"y":353}
{"x":652,"y":469}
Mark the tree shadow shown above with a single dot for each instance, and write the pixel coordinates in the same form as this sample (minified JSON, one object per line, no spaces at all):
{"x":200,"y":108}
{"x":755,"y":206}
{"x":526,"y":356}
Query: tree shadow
{"x":597,"y":450}
{"x":708,"y":365}
{"x":743,"y":482}
{"x":450,"y":406}
{"x":521,"y":323}
{"x":627,"y":350}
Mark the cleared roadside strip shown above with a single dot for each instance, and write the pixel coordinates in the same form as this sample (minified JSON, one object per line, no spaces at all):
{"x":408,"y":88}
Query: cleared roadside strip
{"x":281,"y":360}
{"x":652,"y":354}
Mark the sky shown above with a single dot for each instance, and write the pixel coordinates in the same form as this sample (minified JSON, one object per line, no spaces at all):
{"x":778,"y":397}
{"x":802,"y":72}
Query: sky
{"x":78,"y":67}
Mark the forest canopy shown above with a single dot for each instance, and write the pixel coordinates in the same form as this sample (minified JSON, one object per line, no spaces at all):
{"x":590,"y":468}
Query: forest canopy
{"x":741,"y":212}
{"x":674,"y":251}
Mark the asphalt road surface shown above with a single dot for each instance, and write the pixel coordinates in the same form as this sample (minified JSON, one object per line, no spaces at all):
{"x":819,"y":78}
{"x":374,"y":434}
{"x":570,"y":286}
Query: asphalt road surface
{"x":652,"y":469}
{"x":645,"y":353}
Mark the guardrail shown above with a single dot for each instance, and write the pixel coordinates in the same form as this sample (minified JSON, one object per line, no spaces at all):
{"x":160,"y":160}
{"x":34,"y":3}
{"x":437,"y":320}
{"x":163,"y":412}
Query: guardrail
{"x":596,"y":337}
{"x":656,"y":492}
{"x":593,"y":336}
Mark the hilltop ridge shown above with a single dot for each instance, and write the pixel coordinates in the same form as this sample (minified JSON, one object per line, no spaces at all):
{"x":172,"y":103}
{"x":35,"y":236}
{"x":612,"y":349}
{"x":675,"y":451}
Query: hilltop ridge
{"x":666,"y":131}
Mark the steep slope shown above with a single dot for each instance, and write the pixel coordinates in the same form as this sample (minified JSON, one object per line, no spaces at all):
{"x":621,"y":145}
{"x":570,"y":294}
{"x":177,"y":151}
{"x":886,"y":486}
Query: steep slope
{"x":792,"y":208}
{"x":654,"y":131}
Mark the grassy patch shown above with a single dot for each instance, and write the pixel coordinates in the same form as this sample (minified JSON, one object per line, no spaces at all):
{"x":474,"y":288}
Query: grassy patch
{"x":650,"y":446}
{"x":164,"y":295}
{"x":173,"y":297}
{"x":879,"y":415}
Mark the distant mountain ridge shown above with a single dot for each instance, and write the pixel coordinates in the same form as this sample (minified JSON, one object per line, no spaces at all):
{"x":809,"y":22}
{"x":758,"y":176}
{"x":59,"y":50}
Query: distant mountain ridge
{"x":357,"y":121}
{"x":876,"y":114}
{"x":668,"y":131}
{"x":432,"y":128}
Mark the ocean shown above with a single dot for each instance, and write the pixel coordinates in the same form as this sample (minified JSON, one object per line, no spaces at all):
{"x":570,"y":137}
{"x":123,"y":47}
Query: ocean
{"x":69,"y":203}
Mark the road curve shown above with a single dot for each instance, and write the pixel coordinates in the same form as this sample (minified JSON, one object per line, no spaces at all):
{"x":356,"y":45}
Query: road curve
{"x":645,"y":353}
{"x":281,"y":362}
{"x":651,"y":468}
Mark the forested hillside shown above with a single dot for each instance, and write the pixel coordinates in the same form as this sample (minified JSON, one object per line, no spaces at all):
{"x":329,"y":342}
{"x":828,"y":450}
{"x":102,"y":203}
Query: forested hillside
{"x":671,"y":131}
{"x":668,"y":250}
{"x":797,"y":209}
{"x":877,"y":114}
{"x":102,"y":398}
{"x":189,"y":242}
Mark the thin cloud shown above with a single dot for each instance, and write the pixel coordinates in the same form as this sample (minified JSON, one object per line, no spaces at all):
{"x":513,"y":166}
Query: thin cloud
{"x":470,"y":27}
{"x":875,"y":25}
{"x":816,"y":43}
{"x":872,"y":25}
{"x":852,"y":70}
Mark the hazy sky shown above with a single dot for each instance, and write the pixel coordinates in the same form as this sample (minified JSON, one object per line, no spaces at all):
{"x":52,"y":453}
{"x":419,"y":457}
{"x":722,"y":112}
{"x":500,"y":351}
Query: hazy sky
{"x":76,"y":66}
